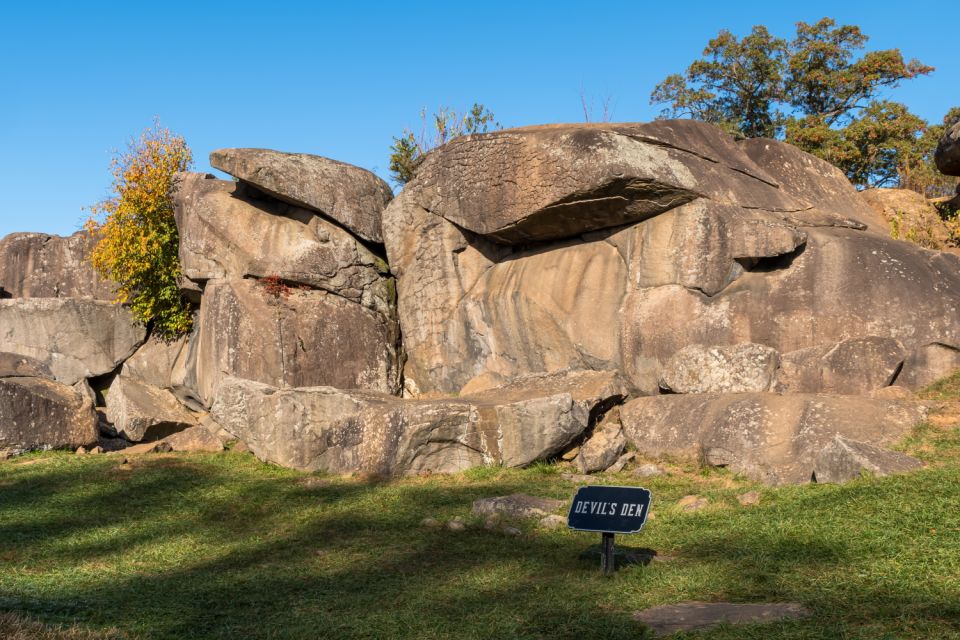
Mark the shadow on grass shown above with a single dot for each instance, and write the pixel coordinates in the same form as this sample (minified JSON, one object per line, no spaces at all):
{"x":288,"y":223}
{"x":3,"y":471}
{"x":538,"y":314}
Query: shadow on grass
{"x":222,"y":547}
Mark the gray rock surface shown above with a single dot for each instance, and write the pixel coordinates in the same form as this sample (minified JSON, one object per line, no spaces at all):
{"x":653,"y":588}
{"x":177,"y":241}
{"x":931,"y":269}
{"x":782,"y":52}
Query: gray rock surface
{"x":194,"y":440}
{"x":769,"y":437}
{"x":141,"y":412}
{"x":604,"y":446}
{"x":518,"y":505}
{"x":38,"y":413}
{"x":37,"y":265}
{"x":14,"y":365}
{"x":855,"y":366}
{"x":301,"y":338}
{"x":927,"y":364}
{"x":224,"y":234}
{"x":947,"y":155}
{"x":667,"y":619}
{"x":75,"y":338}
{"x":728,"y":369}
{"x":321,"y":428}
{"x":349,"y":195}
{"x":843,"y":460}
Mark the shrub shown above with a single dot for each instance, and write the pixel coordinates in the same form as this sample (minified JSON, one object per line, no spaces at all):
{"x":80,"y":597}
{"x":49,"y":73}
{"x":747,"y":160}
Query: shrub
{"x":135,"y":235}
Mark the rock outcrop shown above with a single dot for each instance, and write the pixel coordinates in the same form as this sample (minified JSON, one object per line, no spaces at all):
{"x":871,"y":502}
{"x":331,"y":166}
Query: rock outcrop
{"x":38,"y":413}
{"x":907,"y":215}
{"x":139,"y":411}
{"x":349,"y":195}
{"x":323,"y":428}
{"x":37,"y":265}
{"x":775,"y":438}
{"x":76,"y":338}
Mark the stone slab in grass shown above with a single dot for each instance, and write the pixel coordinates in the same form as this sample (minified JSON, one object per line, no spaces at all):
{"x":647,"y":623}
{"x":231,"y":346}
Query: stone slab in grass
{"x":517,"y":505}
{"x":667,"y":619}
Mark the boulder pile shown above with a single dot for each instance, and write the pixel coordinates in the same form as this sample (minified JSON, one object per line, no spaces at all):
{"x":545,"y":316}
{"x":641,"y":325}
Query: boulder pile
{"x":531,"y":293}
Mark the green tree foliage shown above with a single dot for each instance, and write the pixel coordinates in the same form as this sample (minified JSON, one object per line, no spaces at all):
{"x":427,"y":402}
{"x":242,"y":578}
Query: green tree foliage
{"x":816,"y":92}
{"x":445,"y":124}
{"x":136,"y":235}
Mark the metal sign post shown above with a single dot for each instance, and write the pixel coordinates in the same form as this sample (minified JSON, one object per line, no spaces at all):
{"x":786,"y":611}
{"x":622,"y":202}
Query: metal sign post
{"x":609,"y":510}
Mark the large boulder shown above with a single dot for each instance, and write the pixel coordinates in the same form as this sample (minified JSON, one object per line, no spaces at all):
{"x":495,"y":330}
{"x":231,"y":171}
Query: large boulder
{"x":140,"y":411}
{"x":729,"y":369}
{"x":947,"y":155}
{"x":854,"y":366}
{"x":226,"y":234}
{"x":774,"y":438}
{"x":322,"y":428}
{"x":349,"y":195}
{"x":555,"y":181}
{"x":38,"y":265}
{"x":907,"y":215}
{"x":75,"y":338}
{"x":843,"y":460}
{"x":292,"y":338}
{"x":928,"y":363}
{"x":14,"y":365}
{"x":38,"y":413}
{"x":834,"y":201}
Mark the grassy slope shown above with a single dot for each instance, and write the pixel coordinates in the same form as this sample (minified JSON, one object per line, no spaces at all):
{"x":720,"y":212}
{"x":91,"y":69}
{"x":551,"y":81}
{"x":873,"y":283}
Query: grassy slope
{"x":221,"y":546}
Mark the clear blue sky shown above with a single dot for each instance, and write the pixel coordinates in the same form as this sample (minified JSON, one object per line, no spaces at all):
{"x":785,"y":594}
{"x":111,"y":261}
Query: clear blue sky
{"x":340,"y":79}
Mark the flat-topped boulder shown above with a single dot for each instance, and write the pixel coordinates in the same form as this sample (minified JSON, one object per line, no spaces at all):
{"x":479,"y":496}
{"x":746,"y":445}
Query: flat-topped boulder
{"x":226,"y":234}
{"x":352,"y":197}
{"x":39,"y":265}
{"x":38,"y":413}
{"x":340,"y":431}
{"x":554,"y":181}
{"x":774,"y":438}
{"x":139,"y":411}
{"x":76,"y":338}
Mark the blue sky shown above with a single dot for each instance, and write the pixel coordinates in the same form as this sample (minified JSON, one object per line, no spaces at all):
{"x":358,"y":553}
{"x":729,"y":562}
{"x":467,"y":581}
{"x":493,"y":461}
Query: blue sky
{"x":77,"y":80}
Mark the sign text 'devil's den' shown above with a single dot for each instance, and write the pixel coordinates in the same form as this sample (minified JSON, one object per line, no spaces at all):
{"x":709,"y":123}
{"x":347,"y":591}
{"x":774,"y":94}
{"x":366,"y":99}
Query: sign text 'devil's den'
{"x":609,"y":509}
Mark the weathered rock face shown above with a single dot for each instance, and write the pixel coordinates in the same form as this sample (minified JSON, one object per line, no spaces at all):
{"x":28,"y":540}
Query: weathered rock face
{"x":843,"y":281}
{"x":295,"y":338}
{"x":927,"y":364}
{"x":351,"y":196}
{"x":322,"y":428}
{"x":855,"y":366}
{"x":75,"y":338}
{"x":548,"y":182}
{"x":39,"y":413}
{"x":14,"y":365}
{"x":834,"y":202}
{"x":604,"y":445}
{"x":139,"y":411}
{"x":766,"y":436}
{"x":907,"y":215}
{"x":227,"y":235}
{"x":37,"y":265}
{"x":947,"y":155}
{"x":843,"y":460}
{"x":731,"y":369}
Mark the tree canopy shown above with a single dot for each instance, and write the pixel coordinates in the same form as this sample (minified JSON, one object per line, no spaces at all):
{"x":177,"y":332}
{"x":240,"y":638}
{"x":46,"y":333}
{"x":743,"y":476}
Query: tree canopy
{"x":819,"y":91}
{"x":136,"y":236}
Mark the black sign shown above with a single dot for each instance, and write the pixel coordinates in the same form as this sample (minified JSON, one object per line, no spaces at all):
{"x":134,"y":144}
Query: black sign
{"x":609,"y":509}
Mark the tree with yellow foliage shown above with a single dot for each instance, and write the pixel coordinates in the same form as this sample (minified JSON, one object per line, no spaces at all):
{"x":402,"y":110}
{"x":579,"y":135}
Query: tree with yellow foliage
{"x":135,"y":235}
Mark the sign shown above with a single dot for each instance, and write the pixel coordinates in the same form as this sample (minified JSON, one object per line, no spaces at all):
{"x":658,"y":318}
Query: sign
{"x":609,"y":509}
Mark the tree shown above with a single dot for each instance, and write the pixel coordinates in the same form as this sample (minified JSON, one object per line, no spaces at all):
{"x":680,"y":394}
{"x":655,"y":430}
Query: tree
{"x":812,"y":91}
{"x":445,"y":124}
{"x":136,"y":240}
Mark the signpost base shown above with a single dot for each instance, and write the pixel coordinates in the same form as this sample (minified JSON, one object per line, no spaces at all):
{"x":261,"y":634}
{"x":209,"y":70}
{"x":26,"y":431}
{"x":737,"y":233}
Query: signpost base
{"x":607,"y":559}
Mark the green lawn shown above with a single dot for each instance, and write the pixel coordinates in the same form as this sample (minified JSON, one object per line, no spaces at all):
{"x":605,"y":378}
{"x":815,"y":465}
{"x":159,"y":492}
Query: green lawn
{"x":222,"y":546}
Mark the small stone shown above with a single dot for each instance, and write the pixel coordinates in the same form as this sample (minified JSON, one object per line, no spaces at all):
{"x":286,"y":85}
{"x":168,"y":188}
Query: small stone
{"x":430,"y":523}
{"x":511,"y":531}
{"x":621,"y":462}
{"x":492,"y":521}
{"x":81,"y":451}
{"x":571,"y":454}
{"x":457,"y":524}
{"x":5,"y":455}
{"x":749,"y":498}
{"x":553,"y":522}
{"x":97,"y":450}
{"x":647,"y":471}
{"x":241,"y":447}
{"x":579,"y":478}
{"x":692,"y":503}
{"x":517,"y":505}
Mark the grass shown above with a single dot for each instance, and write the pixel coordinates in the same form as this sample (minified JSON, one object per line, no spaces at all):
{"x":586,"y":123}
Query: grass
{"x":222,"y":546}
